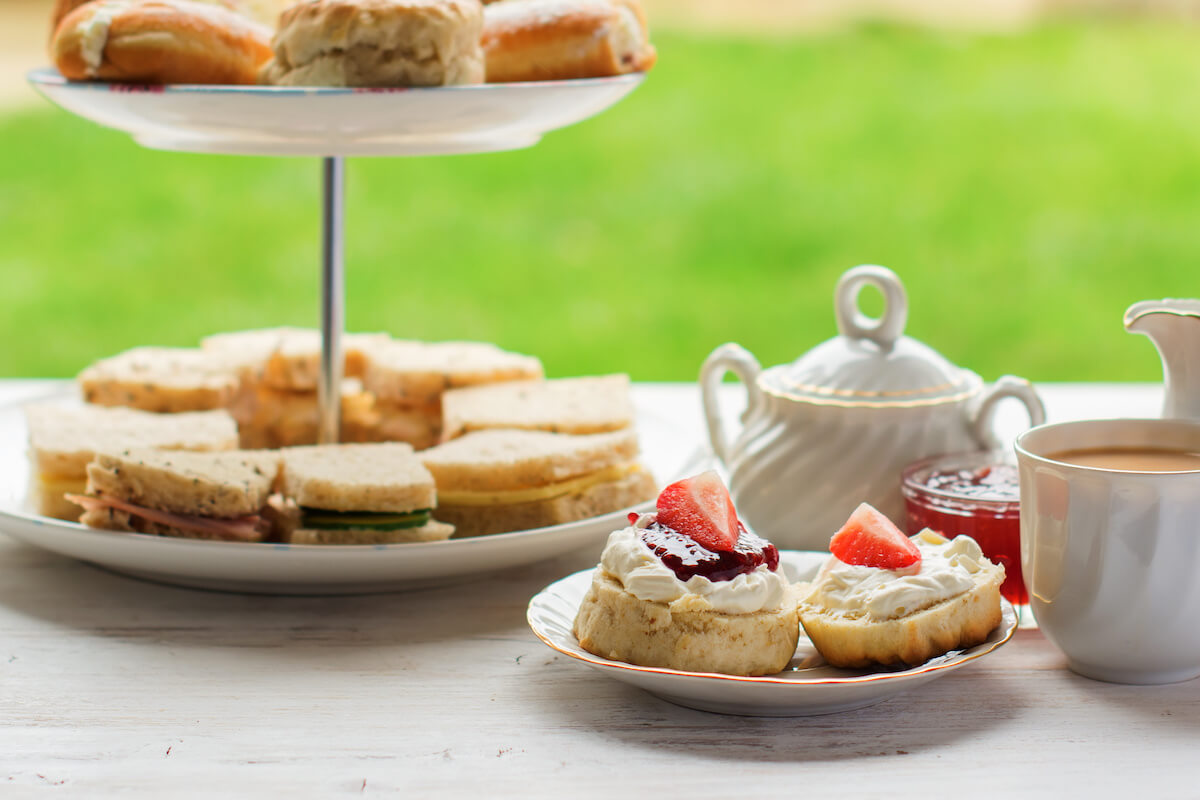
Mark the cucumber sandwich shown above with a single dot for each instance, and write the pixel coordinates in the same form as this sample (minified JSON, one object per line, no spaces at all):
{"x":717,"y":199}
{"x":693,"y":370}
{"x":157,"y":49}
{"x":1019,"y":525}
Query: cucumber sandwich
{"x":357,"y":494}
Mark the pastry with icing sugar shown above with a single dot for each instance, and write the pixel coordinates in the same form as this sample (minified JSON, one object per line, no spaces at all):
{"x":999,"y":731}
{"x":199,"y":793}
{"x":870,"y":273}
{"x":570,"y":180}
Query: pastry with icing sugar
{"x":883,"y":598}
{"x":688,"y":588}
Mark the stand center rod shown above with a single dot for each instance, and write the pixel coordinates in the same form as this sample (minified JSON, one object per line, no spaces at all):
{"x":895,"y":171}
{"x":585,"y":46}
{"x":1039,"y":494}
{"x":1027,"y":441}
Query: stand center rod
{"x":333,"y":299}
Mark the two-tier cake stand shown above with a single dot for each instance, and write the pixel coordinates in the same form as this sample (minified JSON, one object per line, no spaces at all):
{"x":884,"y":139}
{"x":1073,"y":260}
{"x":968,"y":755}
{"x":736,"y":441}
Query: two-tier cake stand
{"x":332,"y":123}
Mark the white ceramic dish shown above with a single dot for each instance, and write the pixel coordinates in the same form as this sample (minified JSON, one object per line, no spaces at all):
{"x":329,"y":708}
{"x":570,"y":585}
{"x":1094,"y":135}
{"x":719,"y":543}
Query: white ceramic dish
{"x":309,"y":569}
{"x":807,"y":687}
{"x":298,"y":121}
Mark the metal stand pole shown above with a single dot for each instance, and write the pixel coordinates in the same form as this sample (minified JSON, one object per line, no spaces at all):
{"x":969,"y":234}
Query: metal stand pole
{"x":333,"y":300}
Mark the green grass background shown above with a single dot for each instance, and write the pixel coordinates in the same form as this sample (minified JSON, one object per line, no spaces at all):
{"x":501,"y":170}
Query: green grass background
{"x":1027,"y":189}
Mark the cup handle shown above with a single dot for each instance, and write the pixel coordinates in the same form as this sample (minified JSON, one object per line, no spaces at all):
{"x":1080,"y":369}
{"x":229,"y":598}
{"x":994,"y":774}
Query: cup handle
{"x":738,"y":360}
{"x":985,"y":412}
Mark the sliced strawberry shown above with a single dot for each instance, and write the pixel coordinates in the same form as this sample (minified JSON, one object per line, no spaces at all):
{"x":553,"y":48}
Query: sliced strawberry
{"x":700,"y":507}
{"x":869,"y":539}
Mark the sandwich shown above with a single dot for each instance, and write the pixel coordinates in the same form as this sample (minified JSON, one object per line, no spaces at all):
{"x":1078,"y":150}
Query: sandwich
{"x":163,"y":379}
{"x":63,"y":440}
{"x":357,"y":494}
{"x":290,"y":358}
{"x":408,"y":380}
{"x":562,"y":405}
{"x":276,"y":402}
{"x":219,"y":495}
{"x":506,"y":480}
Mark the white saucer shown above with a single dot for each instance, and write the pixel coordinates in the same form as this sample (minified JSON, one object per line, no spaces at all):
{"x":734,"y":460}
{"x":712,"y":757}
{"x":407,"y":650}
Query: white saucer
{"x":310,"y":121}
{"x":807,"y":687}
{"x":311,"y":569}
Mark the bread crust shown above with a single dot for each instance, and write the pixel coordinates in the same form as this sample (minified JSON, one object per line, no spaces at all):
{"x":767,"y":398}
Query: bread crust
{"x":432,"y":531}
{"x":500,"y":460}
{"x":542,"y":40}
{"x":356,"y":477}
{"x":593,"y":501}
{"x":229,"y":483}
{"x":160,"y":379}
{"x":159,"y":42}
{"x":614,"y":624}
{"x":958,"y":622}
{"x":562,"y":405}
{"x":377,"y":43}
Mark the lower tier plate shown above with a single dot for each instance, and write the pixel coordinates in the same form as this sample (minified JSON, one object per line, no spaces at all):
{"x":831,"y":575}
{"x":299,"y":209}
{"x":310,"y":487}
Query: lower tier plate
{"x":314,"y":569}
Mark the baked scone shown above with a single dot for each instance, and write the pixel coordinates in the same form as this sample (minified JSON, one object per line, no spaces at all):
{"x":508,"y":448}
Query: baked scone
{"x":662,"y":598}
{"x":159,"y":41}
{"x":265,"y":12}
{"x":377,"y":43}
{"x":545,"y":40}
{"x":948,"y":599}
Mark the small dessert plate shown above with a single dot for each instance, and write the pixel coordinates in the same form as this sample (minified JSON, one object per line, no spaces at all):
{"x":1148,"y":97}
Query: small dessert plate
{"x":807,"y":687}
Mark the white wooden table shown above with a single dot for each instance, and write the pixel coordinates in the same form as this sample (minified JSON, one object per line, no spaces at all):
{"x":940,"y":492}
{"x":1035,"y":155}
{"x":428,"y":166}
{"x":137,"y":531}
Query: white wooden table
{"x":112,"y":686}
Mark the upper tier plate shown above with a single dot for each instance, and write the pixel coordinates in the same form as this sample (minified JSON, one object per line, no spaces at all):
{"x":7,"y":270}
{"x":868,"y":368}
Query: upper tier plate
{"x":300,"y":121}
{"x":317,"y":569}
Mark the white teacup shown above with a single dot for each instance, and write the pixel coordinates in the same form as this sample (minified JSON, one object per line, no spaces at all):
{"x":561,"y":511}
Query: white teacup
{"x":1112,"y":556}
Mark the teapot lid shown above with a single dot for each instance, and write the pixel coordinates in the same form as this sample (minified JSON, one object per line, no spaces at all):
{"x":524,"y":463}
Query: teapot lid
{"x":871,"y":363}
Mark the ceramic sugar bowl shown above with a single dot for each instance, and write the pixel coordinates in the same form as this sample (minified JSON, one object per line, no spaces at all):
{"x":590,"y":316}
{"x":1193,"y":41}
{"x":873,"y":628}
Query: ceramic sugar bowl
{"x":836,"y":427}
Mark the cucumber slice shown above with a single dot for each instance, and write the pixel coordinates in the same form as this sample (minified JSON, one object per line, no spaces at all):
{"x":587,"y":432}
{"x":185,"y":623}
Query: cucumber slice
{"x":323,"y":519}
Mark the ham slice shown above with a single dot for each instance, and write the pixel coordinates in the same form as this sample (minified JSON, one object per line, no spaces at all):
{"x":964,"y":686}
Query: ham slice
{"x":249,"y":528}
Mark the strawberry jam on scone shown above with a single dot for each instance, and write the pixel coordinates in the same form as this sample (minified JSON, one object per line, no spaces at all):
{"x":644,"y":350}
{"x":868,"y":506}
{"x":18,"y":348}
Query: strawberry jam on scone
{"x":689,"y":588}
{"x":885,"y":598}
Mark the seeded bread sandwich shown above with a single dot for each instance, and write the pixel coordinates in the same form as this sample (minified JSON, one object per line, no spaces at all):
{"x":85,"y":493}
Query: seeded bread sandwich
{"x":63,"y":440}
{"x":218,"y":495}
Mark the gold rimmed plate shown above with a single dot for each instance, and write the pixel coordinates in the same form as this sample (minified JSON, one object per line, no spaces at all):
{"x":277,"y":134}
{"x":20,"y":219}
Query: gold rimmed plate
{"x":807,"y":687}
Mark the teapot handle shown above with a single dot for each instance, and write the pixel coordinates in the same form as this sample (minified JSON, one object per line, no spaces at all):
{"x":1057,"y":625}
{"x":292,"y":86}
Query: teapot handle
{"x":854,"y":324}
{"x":985,"y":412}
{"x":738,"y":360}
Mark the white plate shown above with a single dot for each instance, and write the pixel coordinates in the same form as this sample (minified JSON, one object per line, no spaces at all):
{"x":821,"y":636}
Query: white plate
{"x":807,"y":687}
{"x":282,"y":120}
{"x":311,"y":569}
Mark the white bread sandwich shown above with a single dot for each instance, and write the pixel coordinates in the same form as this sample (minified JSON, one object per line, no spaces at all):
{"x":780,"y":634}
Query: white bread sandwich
{"x":408,"y":380}
{"x":357,"y":494}
{"x":162,"y":379}
{"x":270,"y":418}
{"x":562,"y":405}
{"x":191,"y":495}
{"x":508,"y":480}
{"x":63,"y":440}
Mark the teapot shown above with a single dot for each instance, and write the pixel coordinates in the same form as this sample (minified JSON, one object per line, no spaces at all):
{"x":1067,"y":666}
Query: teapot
{"x":1174,"y":327}
{"x":837,"y":426}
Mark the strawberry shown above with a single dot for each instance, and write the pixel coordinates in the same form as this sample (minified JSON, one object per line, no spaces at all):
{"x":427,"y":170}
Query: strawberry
{"x":869,"y":539}
{"x":700,"y":508}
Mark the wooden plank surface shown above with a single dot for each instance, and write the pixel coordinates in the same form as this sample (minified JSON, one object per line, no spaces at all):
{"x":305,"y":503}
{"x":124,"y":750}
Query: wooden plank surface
{"x":115,"y":686}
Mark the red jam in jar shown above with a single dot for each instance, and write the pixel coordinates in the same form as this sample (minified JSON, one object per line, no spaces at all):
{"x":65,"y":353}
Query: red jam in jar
{"x":976,"y":494}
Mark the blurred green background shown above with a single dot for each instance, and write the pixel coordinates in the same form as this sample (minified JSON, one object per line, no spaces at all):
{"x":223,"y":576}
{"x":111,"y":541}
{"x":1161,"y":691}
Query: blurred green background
{"x":1027,"y":188}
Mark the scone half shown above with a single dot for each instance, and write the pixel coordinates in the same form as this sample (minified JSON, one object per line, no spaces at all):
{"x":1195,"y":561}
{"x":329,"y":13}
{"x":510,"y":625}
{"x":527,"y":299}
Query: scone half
{"x":962,"y":621}
{"x":687,"y":634}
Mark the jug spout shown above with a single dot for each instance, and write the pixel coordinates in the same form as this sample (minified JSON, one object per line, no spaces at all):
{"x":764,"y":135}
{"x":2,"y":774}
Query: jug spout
{"x":1174,"y":327}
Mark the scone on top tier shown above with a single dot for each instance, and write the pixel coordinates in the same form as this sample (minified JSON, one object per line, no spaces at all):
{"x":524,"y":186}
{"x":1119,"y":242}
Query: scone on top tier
{"x":159,"y":42}
{"x":882,"y":598}
{"x":688,"y":588}
{"x":378,"y":43}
